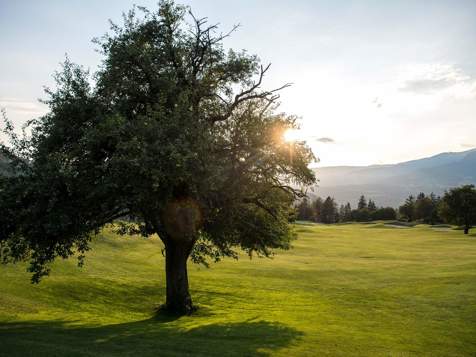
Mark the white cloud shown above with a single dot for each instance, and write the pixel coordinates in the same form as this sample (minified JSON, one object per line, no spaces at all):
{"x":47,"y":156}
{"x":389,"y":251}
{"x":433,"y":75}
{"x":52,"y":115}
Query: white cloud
{"x":325,"y":140}
{"x":432,"y":78}
{"x":22,"y":106}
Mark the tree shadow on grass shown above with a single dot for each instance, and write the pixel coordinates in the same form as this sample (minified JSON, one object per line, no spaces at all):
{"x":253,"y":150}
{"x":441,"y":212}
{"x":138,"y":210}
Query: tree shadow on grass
{"x":144,"y":338}
{"x":104,"y":296}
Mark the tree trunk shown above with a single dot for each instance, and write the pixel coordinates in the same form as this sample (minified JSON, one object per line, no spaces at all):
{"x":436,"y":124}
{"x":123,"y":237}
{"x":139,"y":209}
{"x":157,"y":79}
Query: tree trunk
{"x":466,"y":230}
{"x":178,"y":298}
{"x":182,"y":218}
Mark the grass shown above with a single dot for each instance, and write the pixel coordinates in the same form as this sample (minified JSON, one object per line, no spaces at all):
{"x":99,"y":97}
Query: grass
{"x":343,"y":290}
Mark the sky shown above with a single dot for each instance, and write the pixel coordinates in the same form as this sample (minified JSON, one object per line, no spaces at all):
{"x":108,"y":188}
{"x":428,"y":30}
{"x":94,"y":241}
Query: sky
{"x":374,"y":82}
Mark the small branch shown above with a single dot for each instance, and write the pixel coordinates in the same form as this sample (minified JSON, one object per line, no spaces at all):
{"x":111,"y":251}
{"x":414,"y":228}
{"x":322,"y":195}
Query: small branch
{"x":250,"y":94}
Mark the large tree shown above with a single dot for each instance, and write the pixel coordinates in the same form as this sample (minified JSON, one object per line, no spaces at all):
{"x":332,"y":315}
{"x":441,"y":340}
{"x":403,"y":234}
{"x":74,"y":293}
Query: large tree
{"x":173,"y":133}
{"x":458,"y":206}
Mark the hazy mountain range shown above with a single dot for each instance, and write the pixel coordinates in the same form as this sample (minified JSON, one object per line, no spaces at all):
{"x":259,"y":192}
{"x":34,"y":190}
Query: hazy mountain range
{"x":391,"y":184}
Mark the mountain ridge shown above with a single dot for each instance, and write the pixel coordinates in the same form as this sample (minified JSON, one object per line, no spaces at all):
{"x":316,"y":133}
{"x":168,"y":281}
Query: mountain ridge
{"x":390,"y":184}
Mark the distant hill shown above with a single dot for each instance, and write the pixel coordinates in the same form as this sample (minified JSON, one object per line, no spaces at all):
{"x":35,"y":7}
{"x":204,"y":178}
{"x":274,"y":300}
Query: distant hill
{"x":391,"y":184}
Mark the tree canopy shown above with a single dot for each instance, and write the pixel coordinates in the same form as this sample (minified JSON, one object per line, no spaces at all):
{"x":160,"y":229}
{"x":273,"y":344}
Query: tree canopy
{"x":458,"y":206}
{"x":172,"y":132}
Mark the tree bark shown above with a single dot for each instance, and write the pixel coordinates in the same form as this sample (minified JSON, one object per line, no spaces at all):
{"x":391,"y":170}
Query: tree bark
{"x":181,"y":218}
{"x":178,"y":299}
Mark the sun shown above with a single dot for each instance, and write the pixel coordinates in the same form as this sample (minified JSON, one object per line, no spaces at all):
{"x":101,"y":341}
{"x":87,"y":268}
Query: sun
{"x":292,"y":135}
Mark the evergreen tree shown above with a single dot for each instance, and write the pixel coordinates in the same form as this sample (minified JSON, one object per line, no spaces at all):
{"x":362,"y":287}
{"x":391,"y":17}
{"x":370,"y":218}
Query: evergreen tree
{"x":362,"y":203}
{"x":347,"y":213}
{"x":407,"y":210}
{"x":424,"y":208}
{"x":317,"y":207}
{"x":329,"y":211}
{"x":305,"y":211}
{"x":371,"y":206}
{"x":435,"y":201}
{"x":342,"y":213}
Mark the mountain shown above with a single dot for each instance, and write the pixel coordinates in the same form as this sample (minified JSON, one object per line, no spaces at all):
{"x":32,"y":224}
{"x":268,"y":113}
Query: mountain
{"x":391,"y":184}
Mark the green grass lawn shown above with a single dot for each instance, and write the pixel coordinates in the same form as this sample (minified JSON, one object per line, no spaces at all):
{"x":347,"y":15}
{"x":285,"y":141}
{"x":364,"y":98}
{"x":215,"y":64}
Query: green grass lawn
{"x":343,"y":290}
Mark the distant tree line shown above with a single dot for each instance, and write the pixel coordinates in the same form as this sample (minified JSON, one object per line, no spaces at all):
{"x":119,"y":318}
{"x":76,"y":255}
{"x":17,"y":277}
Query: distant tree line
{"x":457,"y":206}
{"x":328,"y":211}
{"x":423,"y":208}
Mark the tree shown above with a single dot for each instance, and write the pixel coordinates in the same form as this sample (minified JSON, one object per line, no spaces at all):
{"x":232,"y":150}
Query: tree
{"x":176,"y":134}
{"x":407,"y":210}
{"x":435,"y":201}
{"x":425,"y":206}
{"x":371,"y":206}
{"x":347,"y":217}
{"x":384,"y":213}
{"x":305,"y":211}
{"x":362,"y":203}
{"x":341,"y":213}
{"x":317,"y":208}
{"x":329,"y":212}
{"x":361,"y":215}
{"x":459,"y":206}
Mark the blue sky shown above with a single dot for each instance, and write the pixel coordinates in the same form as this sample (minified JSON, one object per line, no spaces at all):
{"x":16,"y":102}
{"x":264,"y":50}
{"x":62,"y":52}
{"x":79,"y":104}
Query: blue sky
{"x":386,"y":81}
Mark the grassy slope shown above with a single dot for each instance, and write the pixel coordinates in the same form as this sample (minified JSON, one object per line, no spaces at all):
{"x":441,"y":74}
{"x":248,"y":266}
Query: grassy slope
{"x":343,"y":290}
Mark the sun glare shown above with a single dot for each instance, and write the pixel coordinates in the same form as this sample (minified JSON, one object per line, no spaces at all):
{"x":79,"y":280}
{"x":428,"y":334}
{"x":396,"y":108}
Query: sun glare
{"x":291,"y":135}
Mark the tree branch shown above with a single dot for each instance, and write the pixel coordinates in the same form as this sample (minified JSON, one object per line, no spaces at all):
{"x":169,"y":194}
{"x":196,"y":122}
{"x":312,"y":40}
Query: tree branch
{"x":250,"y":94}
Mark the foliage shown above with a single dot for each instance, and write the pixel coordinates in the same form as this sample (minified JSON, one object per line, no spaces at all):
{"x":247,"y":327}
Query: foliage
{"x":407,"y":210}
{"x":361,"y":215}
{"x":459,"y":206}
{"x":362,"y":203}
{"x":371,"y":205}
{"x":347,"y":216}
{"x":329,"y":213}
{"x":317,"y":206}
{"x":426,"y":208}
{"x":370,"y":212}
{"x":318,"y":210}
{"x":384,"y":214}
{"x":175,"y":133}
{"x":305,"y":210}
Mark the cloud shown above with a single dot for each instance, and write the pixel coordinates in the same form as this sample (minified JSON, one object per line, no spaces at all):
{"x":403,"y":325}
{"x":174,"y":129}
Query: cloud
{"x":326,"y":140}
{"x":426,"y":85}
{"x":468,"y":146}
{"x":426,"y":79}
{"x":22,"y":106}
